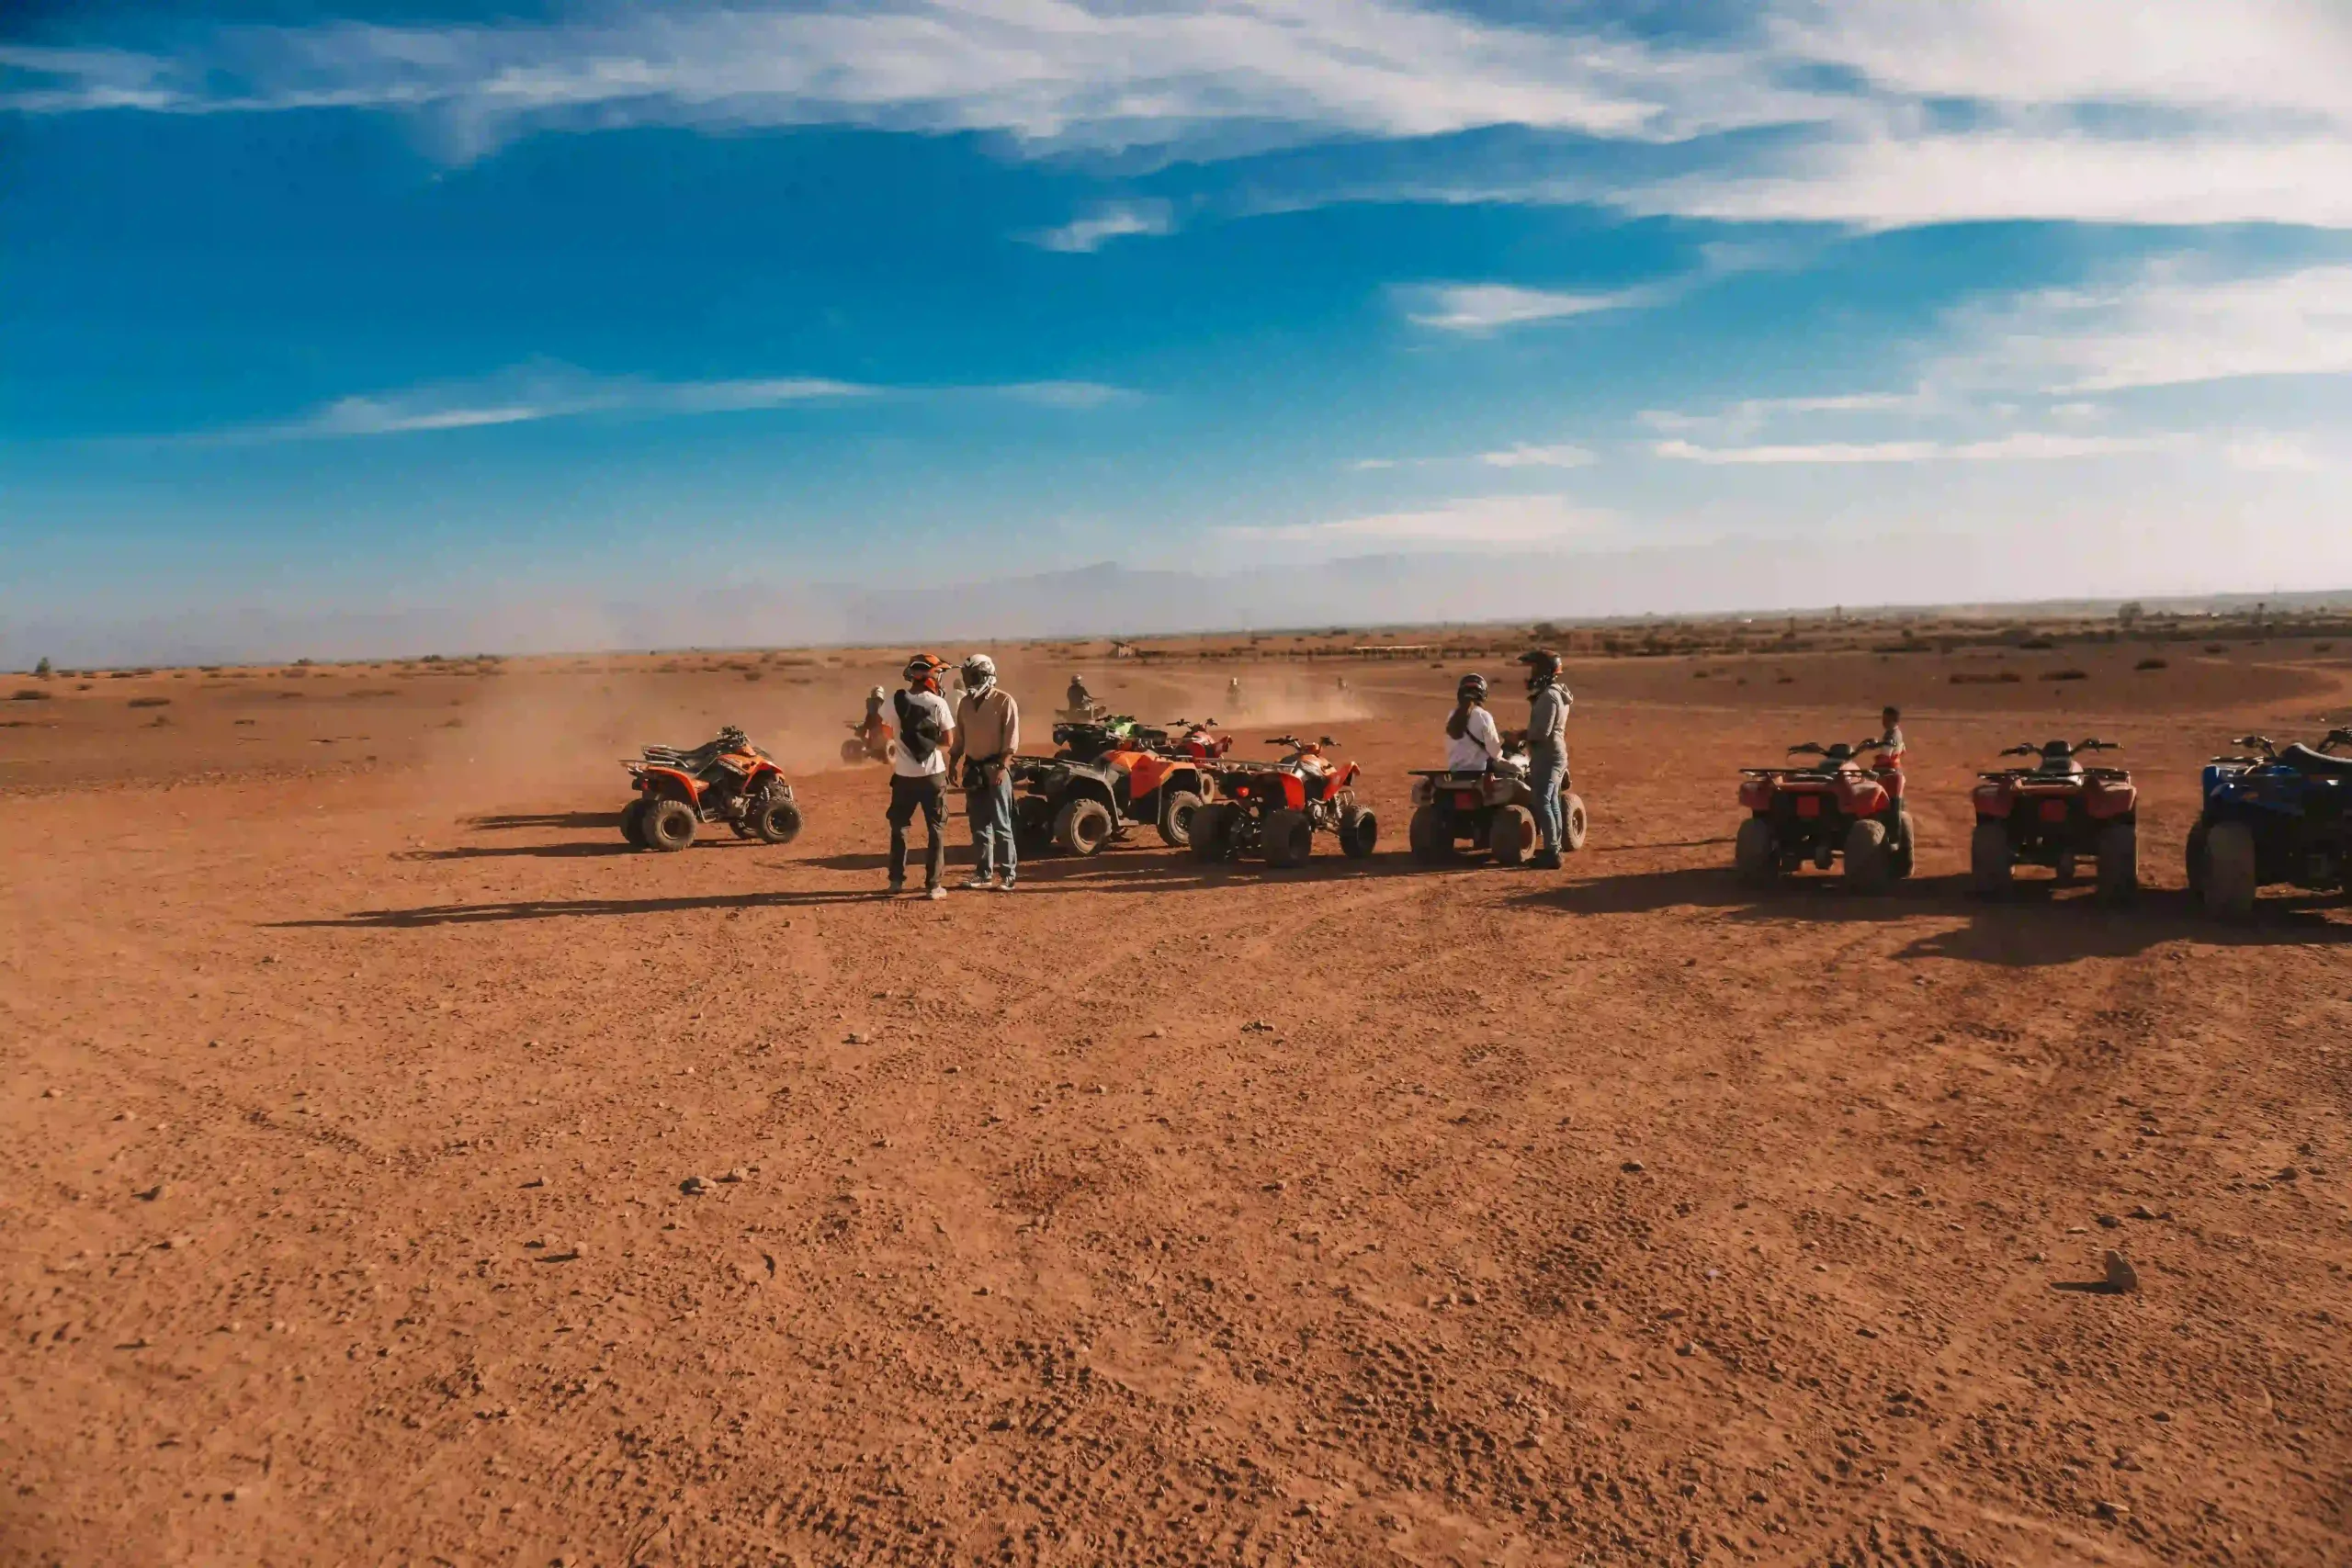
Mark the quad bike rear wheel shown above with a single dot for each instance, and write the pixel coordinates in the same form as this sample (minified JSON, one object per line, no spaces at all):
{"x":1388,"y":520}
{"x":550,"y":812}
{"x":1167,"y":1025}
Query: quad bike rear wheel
{"x":1865,"y":867}
{"x":1033,"y":824}
{"x":1900,"y":847}
{"x":1754,"y":855}
{"x":2119,"y":863}
{"x":2231,"y":875}
{"x":775,"y":820}
{"x":1573,"y":822}
{"x":1989,"y":860}
{"x":1289,"y":838}
{"x":1176,"y":814}
{"x":1358,"y":831}
{"x":1510,"y":834}
{"x":1430,"y":836}
{"x":2197,"y":837}
{"x":852,"y":749}
{"x":1083,"y":827}
{"x":668,"y":826}
{"x":1212,"y":832}
{"x":633,"y":822}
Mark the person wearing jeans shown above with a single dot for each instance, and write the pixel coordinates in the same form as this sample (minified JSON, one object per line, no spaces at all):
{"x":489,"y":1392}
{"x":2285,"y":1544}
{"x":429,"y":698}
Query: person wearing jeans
{"x":987,"y":733}
{"x":918,"y":774}
{"x":1547,"y":749}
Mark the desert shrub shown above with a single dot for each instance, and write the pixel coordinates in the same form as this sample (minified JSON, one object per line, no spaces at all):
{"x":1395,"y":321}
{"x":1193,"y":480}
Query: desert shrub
{"x":2151,"y":663}
{"x":42,"y":670}
{"x":2039,"y":643}
{"x":151,"y":701}
{"x":29,"y":694}
{"x":2213,"y":648}
{"x":1985,"y":678}
{"x":2065,"y":674}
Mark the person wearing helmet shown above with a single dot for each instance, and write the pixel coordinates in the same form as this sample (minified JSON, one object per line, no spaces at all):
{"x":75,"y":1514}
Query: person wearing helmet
{"x":1547,"y":748}
{"x":987,"y":732}
{"x":919,"y":772}
{"x":1473,"y":741}
{"x":1080,"y":697}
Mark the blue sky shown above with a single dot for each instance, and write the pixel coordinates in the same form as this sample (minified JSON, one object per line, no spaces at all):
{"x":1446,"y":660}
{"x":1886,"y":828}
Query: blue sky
{"x":320,"y":313}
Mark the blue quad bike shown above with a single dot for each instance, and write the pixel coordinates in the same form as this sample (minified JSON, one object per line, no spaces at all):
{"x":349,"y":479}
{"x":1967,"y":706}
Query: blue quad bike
{"x":2272,"y":815}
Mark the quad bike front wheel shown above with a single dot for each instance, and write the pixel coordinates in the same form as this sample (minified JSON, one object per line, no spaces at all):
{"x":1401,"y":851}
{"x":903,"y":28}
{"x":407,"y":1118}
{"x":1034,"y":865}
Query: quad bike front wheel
{"x":668,"y":826}
{"x":1289,"y":839}
{"x":1176,"y":814}
{"x":2119,"y":863}
{"x":633,"y":822}
{"x":1865,"y":867}
{"x":1358,"y":832}
{"x":1510,"y":834}
{"x":852,"y":750}
{"x":1573,"y":822}
{"x":1083,"y":827}
{"x":775,"y":820}
{"x":1429,"y":835}
{"x":1900,"y":848}
{"x":2196,"y":854}
{"x":1989,"y":860}
{"x":2233,"y":876}
{"x":1754,"y":854}
{"x":1212,"y":832}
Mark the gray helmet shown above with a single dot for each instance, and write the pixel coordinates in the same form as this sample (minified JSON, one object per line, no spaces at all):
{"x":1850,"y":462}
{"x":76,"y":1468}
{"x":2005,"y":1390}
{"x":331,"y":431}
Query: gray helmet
{"x":1543,"y":666}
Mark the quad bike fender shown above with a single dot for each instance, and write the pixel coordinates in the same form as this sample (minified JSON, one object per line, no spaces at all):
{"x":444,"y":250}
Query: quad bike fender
{"x":670,"y":783}
{"x":1756,"y":794}
{"x":1993,"y":801}
{"x":1861,"y":795}
{"x":2108,"y":799}
{"x":1148,"y":770}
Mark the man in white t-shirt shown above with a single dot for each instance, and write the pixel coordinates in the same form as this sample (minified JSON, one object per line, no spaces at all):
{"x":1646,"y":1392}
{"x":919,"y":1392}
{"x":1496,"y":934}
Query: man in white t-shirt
{"x":919,"y":772}
{"x":1473,"y":740}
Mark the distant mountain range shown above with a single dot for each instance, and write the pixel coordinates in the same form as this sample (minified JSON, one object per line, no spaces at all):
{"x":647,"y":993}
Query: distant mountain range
{"x":1109,"y":600}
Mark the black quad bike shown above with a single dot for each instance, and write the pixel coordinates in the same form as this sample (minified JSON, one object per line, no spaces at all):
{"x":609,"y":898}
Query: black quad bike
{"x":1494,"y":809}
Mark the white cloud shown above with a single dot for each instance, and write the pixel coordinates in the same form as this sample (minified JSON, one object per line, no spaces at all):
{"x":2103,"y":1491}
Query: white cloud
{"x":528,"y":394}
{"x":2271,"y":452}
{"x":1524,"y":455}
{"x":2166,"y":326}
{"x":1113,"y":220}
{"x":1750,"y":414}
{"x":2021,"y":447}
{"x":1469,"y":521}
{"x":1485,"y":307}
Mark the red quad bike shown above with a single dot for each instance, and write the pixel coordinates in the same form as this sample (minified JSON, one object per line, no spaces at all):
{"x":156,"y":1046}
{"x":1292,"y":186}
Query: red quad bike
{"x":1275,"y":809}
{"x":1494,"y":809}
{"x":2055,"y":813}
{"x":1819,"y":813}
{"x":725,"y":780}
{"x":868,"y":742}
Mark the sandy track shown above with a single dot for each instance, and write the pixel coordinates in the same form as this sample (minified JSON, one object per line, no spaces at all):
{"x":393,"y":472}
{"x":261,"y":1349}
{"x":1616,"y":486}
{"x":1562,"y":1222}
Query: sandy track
{"x":1364,"y":1215}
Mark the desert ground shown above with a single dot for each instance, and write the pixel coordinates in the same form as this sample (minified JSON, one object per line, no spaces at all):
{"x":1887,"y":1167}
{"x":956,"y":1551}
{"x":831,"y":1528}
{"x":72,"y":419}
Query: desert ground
{"x":356,"y":1075}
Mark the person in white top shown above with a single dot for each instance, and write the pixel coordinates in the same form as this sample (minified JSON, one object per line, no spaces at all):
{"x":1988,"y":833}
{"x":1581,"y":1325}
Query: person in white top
{"x":1473,"y":741}
{"x":919,"y":772}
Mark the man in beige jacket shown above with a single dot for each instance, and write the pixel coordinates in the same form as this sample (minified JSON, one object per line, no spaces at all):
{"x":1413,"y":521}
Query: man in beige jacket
{"x":987,"y":732}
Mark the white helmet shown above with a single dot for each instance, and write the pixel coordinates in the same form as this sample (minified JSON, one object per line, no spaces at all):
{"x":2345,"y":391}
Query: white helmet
{"x":979,"y":672}
{"x":875,"y":696}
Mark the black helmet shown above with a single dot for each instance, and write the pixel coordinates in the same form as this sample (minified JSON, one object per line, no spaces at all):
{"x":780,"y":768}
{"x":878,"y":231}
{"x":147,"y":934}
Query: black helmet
{"x":1471,"y":686}
{"x":1543,"y":666}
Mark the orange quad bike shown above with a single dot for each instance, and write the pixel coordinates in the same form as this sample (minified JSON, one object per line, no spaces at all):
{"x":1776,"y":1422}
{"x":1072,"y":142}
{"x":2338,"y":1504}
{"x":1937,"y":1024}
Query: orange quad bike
{"x":2057,"y":812}
{"x":1275,"y":809}
{"x":868,"y":742}
{"x":727,"y":780}
{"x":1823,"y":812}
{"x":1109,"y":775}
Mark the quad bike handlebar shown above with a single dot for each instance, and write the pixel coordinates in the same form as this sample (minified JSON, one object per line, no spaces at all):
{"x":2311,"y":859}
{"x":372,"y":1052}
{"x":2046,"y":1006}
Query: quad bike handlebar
{"x":2060,"y":748}
{"x":1295,"y":744}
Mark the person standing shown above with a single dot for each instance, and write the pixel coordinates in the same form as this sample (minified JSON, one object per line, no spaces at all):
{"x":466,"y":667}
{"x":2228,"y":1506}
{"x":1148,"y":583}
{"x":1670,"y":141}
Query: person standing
{"x":919,"y":772}
{"x":987,"y":732}
{"x":1890,"y":742}
{"x":1547,"y":749}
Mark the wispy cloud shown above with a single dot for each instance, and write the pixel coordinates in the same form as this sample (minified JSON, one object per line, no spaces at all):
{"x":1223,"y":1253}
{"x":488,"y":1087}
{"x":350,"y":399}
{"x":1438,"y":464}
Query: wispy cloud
{"x":1113,"y":220}
{"x":1488,"y":307}
{"x":2020,"y":446}
{"x":1750,"y":414}
{"x":2270,"y":452}
{"x":530,"y":394}
{"x":1469,"y":521}
{"x":1524,"y":455}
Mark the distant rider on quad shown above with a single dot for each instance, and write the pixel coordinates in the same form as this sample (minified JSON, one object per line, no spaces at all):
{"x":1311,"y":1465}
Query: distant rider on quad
{"x":875,"y":700}
{"x":1080,"y":697}
{"x":1473,"y":744}
{"x":1547,"y":747}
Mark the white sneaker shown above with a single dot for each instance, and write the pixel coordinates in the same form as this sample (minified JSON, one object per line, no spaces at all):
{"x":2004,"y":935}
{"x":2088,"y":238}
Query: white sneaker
{"x":978,"y":884}
{"x":936,"y":894}
{"x":1005,"y":886}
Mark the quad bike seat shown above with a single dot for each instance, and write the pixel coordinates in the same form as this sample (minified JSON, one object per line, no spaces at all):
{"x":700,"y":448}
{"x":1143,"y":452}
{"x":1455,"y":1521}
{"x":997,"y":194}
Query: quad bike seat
{"x":2315,"y":764}
{"x":2060,"y":767}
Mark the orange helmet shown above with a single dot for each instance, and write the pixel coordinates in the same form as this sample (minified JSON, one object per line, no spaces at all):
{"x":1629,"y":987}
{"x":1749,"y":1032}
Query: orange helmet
{"x":926,"y":667}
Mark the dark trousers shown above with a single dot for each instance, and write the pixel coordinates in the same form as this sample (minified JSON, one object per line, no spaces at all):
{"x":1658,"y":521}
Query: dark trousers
{"x":928,"y":794}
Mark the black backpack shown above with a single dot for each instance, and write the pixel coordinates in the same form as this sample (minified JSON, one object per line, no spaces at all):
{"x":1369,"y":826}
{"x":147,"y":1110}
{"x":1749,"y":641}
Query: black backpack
{"x":918,"y":727}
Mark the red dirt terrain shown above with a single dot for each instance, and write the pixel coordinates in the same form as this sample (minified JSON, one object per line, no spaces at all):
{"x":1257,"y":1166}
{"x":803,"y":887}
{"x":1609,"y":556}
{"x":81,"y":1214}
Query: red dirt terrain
{"x":396,"y":1169}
